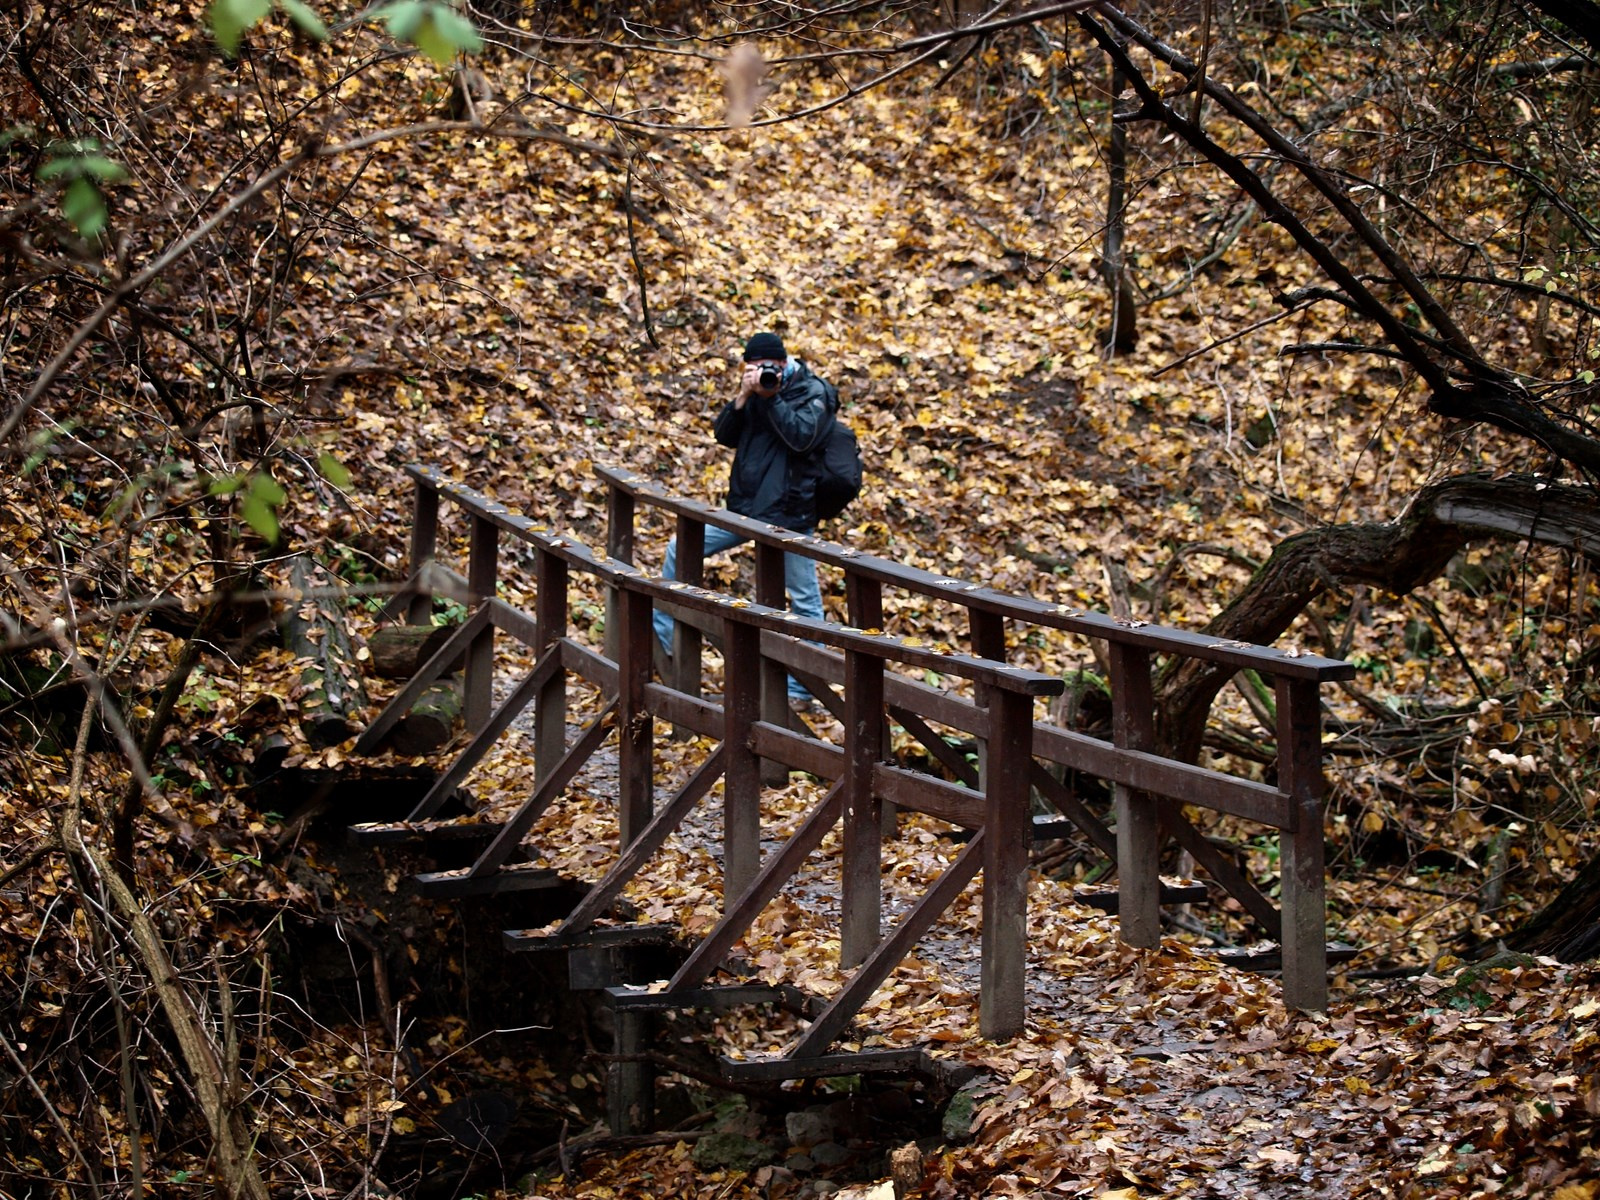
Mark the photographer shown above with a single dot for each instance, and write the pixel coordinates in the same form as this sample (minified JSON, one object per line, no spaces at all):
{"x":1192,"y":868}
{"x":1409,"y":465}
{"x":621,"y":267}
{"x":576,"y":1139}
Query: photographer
{"x":780,"y":414}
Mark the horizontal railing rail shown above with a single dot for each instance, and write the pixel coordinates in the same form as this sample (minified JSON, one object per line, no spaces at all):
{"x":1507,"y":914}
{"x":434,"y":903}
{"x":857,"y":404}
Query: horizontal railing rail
{"x":868,"y":678}
{"x":1149,"y":790}
{"x":751,"y":633}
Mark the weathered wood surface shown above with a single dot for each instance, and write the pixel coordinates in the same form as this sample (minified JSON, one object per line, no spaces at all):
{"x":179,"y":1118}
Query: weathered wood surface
{"x":398,"y":651}
{"x":313,"y":627}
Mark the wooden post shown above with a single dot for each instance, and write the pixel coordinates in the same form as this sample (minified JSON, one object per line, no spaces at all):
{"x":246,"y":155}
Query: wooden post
{"x":635,"y":726}
{"x":1305,"y":915}
{"x":550,"y":704}
{"x":686,"y":641}
{"x":863,"y":599}
{"x":1008,"y":828}
{"x":987,"y":631}
{"x":483,"y":574}
{"x":424,"y":545}
{"x":620,"y":510}
{"x":1138,"y":819}
{"x":771,"y":592}
{"x":741,"y":785}
{"x":861,"y":899}
{"x":631,"y":1080}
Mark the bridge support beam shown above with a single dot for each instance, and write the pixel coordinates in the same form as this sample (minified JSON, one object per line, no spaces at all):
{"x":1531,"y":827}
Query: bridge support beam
{"x":1301,"y":855}
{"x":630,"y":1078}
{"x":861,"y":888}
{"x":1138,"y":815}
{"x":741,"y":785}
{"x":635,"y":725}
{"x":1008,"y":834}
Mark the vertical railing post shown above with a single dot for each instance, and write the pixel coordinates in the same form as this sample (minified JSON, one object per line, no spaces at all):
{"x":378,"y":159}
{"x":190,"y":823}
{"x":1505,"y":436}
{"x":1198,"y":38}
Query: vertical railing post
{"x":1301,"y":850}
{"x":635,"y":726}
{"x":741,"y":784}
{"x":686,"y":640}
{"x":550,"y":705}
{"x":424,"y":545}
{"x":861,"y":887}
{"x":483,"y":575}
{"x":771,"y":592}
{"x":1138,"y":817}
{"x":1002,"y":1002}
{"x":863,"y":601}
{"x":620,"y":510}
{"x":987,"y":632}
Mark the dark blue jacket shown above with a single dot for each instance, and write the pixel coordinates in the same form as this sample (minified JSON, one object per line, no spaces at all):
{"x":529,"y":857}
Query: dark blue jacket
{"x":774,"y":478}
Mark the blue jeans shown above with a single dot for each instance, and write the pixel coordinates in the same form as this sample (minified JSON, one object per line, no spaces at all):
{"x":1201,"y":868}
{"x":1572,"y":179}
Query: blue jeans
{"x":799,"y":578}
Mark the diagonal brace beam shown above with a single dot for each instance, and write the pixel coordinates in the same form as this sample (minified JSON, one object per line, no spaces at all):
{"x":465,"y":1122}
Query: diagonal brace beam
{"x":646,"y":844}
{"x":774,"y":873}
{"x":549,"y":663}
{"x":833,"y":1019}
{"x":511,"y":833}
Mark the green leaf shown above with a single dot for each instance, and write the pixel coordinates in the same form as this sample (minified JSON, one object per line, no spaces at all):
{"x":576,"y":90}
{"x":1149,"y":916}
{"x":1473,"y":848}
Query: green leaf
{"x":259,"y":509}
{"x":84,"y":207}
{"x":456,"y":29}
{"x":402,"y":19}
{"x":232,"y":19}
{"x":98,"y":166}
{"x":436,"y":29}
{"x":225,"y":485}
{"x":268,"y":489}
{"x":334,"y":471}
{"x":434,"y":44}
{"x":1586,"y":376}
{"x":305,"y":19}
{"x":57,"y":166}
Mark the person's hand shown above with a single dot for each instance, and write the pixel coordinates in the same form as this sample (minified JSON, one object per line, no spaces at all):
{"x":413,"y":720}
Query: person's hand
{"x":749,"y":384}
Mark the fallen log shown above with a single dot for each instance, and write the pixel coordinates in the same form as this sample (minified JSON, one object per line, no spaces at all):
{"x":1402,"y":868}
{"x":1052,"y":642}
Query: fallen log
{"x":399,"y":651}
{"x":313,"y":627}
{"x":431,"y":721}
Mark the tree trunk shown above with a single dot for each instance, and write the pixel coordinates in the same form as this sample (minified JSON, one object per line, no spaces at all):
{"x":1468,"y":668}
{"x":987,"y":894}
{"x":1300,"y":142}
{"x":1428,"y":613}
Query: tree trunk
{"x":330,"y":682}
{"x":1567,"y":928}
{"x":1122,"y":335}
{"x":1396,"y":556}
{"x":431,"y":721}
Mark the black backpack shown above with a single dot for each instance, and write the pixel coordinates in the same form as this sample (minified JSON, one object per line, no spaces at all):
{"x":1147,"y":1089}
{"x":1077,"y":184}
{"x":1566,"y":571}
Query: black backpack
{"x":837,"y":463}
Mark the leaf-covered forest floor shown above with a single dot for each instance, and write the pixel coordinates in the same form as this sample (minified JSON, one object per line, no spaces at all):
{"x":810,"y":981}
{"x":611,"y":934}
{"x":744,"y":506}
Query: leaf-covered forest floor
{"x":482,"y":305}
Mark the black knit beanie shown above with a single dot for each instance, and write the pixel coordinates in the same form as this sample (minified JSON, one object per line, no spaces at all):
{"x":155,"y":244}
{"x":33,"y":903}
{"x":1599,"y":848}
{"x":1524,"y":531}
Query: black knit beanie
{"x":764,"y":345}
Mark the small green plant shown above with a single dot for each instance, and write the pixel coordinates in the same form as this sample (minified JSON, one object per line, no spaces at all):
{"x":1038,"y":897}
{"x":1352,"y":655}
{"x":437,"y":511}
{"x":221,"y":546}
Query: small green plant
{"x":81,"y":171}
{"x":449,"y":612}
{"x":201,"y":695}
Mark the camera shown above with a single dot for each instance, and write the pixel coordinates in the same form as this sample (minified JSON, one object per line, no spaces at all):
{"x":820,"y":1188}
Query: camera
{"x":770,"y":378}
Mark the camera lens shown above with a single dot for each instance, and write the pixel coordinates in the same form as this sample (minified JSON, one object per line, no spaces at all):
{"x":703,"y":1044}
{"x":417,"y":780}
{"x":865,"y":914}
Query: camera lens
{"x":769,"y":378}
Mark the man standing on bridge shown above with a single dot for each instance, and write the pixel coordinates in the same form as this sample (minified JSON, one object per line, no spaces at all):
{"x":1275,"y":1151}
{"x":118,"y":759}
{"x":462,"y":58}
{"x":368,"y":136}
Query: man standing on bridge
{"x":779,"y":416}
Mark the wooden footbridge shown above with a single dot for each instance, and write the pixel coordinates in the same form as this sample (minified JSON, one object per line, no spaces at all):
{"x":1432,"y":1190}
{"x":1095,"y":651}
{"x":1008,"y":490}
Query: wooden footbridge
{"x":867,"y":680}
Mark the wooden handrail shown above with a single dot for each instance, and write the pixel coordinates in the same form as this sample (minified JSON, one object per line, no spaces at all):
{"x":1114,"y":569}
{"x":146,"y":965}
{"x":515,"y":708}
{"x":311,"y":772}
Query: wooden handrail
{"x":763,"y":642}
{"x":980,"y":598}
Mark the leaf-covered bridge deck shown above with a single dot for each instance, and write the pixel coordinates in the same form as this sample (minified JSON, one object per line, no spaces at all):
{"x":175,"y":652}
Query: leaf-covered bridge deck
{"x":862,"y":676}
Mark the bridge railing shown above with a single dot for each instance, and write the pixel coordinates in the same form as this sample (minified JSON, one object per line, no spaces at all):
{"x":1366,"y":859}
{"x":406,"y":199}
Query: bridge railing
{"x":750,"y":634}
{"x":1149,"y":790}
